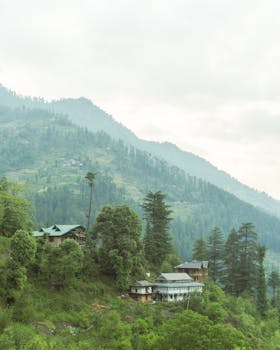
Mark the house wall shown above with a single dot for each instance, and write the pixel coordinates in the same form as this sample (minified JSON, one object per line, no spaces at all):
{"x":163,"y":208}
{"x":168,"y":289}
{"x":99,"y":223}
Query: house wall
{"x":55,"y":241}
{"x":144,"y":298}
{"x":141,"y":290}
{"x":196,"y":274}
{"x":175,"y":294}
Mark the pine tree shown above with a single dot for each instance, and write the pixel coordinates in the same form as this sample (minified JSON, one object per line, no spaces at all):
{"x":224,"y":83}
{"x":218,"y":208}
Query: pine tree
{"x":200,"y":251}
{"x":231,"y":263}
{"x":248,"y":255}
{"x":215,"y":247}
{"x":157,"y":242}
{"x":121,"y":252}
{"x":274,"y":283}
{"x":261,"y":284}
{"x":90,"y":177}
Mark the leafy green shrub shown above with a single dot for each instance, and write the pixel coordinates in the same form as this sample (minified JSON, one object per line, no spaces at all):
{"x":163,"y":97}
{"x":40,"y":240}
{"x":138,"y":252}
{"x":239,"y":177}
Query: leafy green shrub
{"x":19,"y":337}
{"x":5,"y":318}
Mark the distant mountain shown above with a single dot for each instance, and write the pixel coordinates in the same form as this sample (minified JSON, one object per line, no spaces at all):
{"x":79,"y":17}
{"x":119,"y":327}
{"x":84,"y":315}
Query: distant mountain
{"x":52,"y":155}
{"x":85,"y":114}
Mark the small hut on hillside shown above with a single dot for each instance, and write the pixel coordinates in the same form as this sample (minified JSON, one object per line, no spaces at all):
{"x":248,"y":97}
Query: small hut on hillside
{"x":198,"y":270}
{"x":141,"y":291}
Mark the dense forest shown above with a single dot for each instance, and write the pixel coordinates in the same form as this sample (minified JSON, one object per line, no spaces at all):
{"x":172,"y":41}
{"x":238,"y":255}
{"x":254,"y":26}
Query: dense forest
{"x":51,"y":156}
{"x":74,"y":297}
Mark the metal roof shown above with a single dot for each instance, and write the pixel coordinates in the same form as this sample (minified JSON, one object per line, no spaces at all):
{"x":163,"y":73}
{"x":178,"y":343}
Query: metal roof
{"x":56,"y":230}
{"x":169,"y":277}
{"x":178,"y":285}
{"x":195,"y":264}
{"x":142,"y":283}
{"x":37,"y":234}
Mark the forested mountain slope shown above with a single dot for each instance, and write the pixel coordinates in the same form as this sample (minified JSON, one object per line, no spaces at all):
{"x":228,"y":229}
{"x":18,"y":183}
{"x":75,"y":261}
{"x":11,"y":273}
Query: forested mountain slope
{"x":52,"y":156}
{"x":85,"y":114}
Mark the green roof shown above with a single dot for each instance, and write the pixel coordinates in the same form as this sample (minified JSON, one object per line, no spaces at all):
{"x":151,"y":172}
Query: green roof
{"x":56,"y":230}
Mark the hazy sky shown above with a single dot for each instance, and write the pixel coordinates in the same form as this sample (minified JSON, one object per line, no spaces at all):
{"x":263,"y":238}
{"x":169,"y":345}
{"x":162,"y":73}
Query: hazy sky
{"x":203,"y":74}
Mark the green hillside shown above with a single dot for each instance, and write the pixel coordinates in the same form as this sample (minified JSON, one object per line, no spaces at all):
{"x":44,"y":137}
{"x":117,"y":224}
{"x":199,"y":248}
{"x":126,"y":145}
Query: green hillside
{"x":90,"y":313}
{"x":84,"y":113}
{"x":52,"y":155}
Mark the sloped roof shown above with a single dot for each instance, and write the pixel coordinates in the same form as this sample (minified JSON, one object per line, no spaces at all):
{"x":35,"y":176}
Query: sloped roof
{"x":142,"y":283}
{"x":194,"y":264}
{"x":37,"y":234}
{"x":56,"y":230}
{"x":178,"y":285}
{"x":169,"y":277}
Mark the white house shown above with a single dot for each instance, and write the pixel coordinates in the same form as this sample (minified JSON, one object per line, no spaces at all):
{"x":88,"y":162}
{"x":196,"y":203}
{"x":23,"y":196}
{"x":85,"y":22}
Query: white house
{"x":175,"y":287}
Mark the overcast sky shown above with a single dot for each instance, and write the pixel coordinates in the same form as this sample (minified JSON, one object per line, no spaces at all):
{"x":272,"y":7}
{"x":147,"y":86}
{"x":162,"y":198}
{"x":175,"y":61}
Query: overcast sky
{"x":203,"y":74}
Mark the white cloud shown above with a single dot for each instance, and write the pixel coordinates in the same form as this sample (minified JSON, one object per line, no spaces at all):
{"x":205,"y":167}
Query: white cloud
{"x":202,"y":74}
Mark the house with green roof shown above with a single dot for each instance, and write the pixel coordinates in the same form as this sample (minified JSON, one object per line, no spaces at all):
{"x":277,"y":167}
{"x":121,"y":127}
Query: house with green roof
{"x":56,"y":234}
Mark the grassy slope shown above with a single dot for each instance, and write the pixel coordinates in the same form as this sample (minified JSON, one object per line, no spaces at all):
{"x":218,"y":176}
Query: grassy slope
{"x":93,"y":315}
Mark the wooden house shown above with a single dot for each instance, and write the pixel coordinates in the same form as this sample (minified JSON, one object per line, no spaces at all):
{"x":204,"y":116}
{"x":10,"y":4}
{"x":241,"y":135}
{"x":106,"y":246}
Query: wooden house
{"x":196,"y":269}
{"x":141,"y":291}
{"x":56,"y":234}
{"x":175,"y":287}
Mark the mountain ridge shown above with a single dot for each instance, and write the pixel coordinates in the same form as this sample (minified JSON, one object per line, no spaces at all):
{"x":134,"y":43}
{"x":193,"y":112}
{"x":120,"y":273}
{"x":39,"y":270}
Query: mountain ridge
{"x":85,"y":113}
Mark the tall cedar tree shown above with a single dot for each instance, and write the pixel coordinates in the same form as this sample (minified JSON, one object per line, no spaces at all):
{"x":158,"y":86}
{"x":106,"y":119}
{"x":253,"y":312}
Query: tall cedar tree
{"x":118,"y":231}
{"x":215,"y":245}
{"x":261,"y":284}
{"x":90,"y":177}
{"x":274,"y":283}
{"x":231,"y":262}
{"x":248,"y":254}
{"x":200,"y":251}
{"x":157,"y":241}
